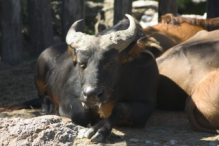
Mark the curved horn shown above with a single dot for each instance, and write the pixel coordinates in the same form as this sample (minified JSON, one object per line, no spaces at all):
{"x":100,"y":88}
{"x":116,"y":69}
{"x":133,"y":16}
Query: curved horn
{"x":75,"y":38}
{"x":120,"y":39}
{"x":72,"y":31}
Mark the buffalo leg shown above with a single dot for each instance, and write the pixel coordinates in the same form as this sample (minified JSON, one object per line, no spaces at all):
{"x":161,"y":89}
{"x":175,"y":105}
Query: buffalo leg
{"x":197,"y":119}
{"x":47,"y":105}
{"x":202,"y":108}
{"x":126,"y":113}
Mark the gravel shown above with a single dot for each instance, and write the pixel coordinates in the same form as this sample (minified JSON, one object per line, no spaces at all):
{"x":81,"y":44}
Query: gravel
{"x":44,"y":130}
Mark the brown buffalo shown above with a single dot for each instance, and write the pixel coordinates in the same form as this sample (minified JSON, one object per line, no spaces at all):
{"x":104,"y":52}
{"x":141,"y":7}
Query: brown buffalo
{"x":170,"y":32}
{"x":193,"y":66}
{"x":174,"y":30}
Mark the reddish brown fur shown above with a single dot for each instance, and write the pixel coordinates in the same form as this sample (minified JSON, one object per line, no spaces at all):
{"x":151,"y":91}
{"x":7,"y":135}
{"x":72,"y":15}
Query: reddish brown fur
{"x":174,"y":30}
{"x":144,"y":45}
{"x":207,"y":24}
{"x":73,"y":56}
{"x":170,"y":35}
{"x":41,"y":87}
{"x":106,"y":109}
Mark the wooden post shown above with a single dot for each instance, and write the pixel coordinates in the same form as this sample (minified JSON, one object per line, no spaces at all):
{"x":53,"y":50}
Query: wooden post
{"x":121,"y":7}
{"x":40,"y":21}
{"x":72,"y":10}
{"x":212,"y":8}
{"x":167,"y":6}
{"x":11,"y":26}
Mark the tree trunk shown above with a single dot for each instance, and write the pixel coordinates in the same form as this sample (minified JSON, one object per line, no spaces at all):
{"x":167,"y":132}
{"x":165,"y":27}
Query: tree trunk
{"x":167,"y":6}
{"x":121,"y":7}
{"x":212,"y":8}
{"x":72,"y":10}
{"x":11,"y":26}
{"x":40,"y":21}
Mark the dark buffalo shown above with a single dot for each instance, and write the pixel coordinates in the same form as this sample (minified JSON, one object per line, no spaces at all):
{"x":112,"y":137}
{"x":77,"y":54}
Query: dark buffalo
{"x":100,"y":80}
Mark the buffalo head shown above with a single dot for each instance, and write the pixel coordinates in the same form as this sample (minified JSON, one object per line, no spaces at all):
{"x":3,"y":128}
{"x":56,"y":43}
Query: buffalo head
{"x":97,"y":60}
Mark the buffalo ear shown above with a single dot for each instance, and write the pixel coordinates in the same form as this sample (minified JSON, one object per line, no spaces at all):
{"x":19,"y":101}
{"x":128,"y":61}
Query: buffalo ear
{"x":72,"y":53}
{"x":151,"y":46}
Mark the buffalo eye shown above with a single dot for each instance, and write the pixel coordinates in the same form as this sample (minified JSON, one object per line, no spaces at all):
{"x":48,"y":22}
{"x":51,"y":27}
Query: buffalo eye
{"x":111,"y":63}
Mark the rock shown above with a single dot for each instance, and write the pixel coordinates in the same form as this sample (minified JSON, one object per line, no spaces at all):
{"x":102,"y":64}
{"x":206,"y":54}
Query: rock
{"x":43,"y":130}
{"x":81,"y":132}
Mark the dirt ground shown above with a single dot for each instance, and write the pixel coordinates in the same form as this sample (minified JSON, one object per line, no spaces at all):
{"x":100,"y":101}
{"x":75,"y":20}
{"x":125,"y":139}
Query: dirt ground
{"x":163,"y":128}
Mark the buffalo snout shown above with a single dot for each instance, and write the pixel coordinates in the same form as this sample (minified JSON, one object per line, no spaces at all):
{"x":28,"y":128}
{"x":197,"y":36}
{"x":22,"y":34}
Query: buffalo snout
{"x":92,"y":94}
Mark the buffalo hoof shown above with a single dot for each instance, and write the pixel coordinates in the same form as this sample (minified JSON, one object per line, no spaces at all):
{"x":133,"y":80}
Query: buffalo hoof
{"x":98,"y":137}
{"x":99,"y":132}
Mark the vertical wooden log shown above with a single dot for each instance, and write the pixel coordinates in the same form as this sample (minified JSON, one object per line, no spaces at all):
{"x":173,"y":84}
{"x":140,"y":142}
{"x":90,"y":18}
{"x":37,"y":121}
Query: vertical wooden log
{"x":11,"y":26}
{"x":167,"y":6}
{"x":72,"y":10}
{"x":121,"y":7}
{"x":40,"y":21}
{"x":212,"y":8}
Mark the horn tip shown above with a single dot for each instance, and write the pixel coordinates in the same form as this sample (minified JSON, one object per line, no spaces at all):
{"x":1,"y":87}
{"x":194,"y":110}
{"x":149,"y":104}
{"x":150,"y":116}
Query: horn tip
{"x":77,"y":22}
{"x":128,"y":15}
{"x":80,"y":20}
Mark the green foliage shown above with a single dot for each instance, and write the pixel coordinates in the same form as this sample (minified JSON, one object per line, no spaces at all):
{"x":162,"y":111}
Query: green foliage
{"x":89,"y":31}
{"x":24,"y":9}
{"x":183,"y":3}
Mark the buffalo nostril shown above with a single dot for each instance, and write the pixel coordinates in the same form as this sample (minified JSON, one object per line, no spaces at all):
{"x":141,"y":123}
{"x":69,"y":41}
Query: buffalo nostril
{"x":84,"y":93}
{"x":92,"y":92}
{"x":99,"y":93}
